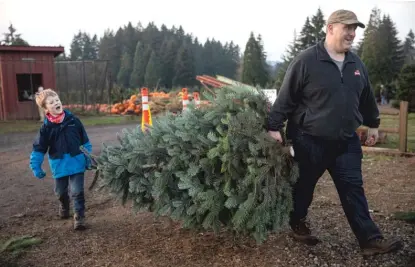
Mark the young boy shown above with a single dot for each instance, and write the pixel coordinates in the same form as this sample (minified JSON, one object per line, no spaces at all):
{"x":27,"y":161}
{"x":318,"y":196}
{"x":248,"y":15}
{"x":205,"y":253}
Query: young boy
{"x":61,"y":135}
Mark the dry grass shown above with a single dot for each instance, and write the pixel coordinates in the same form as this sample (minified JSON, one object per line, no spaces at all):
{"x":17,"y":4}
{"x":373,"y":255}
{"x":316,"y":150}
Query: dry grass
{"x":25,"y":126}
{"x":392,"y":121}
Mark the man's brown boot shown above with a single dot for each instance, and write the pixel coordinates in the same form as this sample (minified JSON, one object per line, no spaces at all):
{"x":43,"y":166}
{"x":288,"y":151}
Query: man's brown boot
{"x":301,"y":232}
{"x":380,"y":246}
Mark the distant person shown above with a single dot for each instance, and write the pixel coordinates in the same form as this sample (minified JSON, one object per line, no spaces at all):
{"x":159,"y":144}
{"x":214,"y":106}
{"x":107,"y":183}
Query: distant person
{"x":61,"y":136}
{"x":383,"y":96}
{"x":325,"y":96}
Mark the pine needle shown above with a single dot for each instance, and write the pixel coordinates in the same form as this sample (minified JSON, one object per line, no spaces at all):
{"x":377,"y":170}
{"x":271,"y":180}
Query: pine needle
{"x":16,"y":245}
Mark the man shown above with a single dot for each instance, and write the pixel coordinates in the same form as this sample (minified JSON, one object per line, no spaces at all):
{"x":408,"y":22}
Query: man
{"x":325,"y":96}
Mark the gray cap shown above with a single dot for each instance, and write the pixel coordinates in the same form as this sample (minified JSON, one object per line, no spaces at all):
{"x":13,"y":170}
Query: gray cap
{"x":345,"y":17}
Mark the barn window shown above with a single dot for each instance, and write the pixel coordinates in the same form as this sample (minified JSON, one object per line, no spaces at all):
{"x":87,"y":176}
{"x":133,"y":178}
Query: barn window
{"x":27,"y":85}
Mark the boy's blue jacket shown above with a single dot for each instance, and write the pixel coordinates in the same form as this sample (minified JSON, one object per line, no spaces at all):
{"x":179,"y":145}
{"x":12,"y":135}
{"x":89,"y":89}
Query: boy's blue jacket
{"x":62,"y":142}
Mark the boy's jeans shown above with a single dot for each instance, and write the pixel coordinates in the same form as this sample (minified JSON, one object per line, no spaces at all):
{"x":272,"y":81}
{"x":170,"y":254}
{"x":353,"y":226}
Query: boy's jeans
{"x":76,"y":183}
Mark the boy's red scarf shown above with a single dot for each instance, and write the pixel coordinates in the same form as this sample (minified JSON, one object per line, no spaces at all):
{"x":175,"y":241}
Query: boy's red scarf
{"x":55,"y":119}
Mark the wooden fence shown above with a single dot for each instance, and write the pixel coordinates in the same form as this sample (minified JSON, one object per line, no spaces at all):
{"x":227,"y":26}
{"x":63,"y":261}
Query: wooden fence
{"x":401,"y":130}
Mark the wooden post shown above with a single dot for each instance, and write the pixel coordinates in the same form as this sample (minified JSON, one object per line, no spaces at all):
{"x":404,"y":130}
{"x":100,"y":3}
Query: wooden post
{"x":403,"y":126}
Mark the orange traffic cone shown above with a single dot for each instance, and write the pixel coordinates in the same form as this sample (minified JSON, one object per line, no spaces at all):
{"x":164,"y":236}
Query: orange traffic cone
{"x":146,"y":117}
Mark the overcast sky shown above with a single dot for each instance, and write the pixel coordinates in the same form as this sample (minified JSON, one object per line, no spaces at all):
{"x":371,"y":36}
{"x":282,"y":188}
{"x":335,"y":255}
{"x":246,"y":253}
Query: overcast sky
{"x":52,"y":22}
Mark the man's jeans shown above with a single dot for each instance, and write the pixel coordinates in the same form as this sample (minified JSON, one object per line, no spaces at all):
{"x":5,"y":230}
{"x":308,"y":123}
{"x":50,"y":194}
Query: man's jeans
{"x":343,"y":160}
{"x":76,"y":183}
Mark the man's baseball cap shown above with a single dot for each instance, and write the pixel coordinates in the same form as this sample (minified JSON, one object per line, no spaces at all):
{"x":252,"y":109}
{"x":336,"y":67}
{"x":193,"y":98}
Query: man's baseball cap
{"x":345,"y":17}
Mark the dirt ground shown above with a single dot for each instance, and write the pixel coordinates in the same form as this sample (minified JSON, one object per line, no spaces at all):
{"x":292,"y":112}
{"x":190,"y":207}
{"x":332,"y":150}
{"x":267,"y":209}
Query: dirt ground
{"x":117,"y":237}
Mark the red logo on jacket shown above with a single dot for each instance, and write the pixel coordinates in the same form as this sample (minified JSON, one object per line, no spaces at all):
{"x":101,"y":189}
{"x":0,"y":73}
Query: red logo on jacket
{"x":357,"y":72}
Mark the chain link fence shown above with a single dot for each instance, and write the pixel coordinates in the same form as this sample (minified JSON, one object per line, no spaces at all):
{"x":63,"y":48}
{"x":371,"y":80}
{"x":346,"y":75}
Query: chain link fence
{"x":85,"y":82}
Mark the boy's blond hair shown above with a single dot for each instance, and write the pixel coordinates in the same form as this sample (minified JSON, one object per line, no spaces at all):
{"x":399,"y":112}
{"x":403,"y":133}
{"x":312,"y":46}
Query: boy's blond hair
{"x":43,"y":95}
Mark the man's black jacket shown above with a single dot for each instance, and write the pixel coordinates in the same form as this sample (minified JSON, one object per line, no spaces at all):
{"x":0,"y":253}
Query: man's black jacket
{"x":322,"y":101}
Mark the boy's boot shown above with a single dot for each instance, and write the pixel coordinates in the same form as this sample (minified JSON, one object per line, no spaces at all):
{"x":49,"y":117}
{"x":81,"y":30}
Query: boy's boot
{"x":79,"y":222}
{"x":64,"y":207}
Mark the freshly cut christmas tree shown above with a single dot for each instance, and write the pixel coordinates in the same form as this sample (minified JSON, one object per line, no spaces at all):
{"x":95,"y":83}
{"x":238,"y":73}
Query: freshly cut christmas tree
{"x":208,"y":167}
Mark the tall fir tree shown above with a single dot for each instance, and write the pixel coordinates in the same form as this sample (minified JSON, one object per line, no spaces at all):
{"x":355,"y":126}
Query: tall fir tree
{"x":169,"y":58}
{"x":89,"y":46}
{"x":185,"y":74}
{"x":76,"y":49}
{"x":13,"y":38}
{"x":123,"y":77}
{"x":409,"y":47}
{"x":318,"y":23}
{"x":254,"y":71}
{"x":406,"y":88}
{"x":368,"y":49}
{"x":154,"y":71}
{"x":107,"y":51}
{"x":371,"y":28}
{"x":294,"y":48}
{"x":136,"y":77}
{"x":391,"y":55}
{"x":306,"y":38}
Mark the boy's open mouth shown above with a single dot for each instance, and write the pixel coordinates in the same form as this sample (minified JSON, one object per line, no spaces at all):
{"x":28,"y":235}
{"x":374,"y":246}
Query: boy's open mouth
{"x":58,"y":108}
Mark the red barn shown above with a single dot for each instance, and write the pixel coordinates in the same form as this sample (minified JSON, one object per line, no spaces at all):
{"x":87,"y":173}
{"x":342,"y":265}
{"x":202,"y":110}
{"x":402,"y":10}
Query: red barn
{"x":22,"y":70}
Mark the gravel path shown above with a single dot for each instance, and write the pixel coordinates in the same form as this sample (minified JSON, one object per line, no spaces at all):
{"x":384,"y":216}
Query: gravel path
{"x":116,"y":237}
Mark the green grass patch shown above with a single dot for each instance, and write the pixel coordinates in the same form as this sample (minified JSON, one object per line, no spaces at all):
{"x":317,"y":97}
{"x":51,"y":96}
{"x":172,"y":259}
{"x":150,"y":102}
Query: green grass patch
{"x":408,"y":217}
{"x":392,"y":121}
{"x":13,"y":248}
{"x":19,"y":126}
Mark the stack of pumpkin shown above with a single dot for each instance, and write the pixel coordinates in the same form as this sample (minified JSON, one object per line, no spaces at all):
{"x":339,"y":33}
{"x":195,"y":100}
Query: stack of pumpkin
{"x":130,"y":106}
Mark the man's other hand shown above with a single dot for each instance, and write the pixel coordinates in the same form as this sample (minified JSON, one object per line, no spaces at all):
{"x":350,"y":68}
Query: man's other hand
{"x":276,"y":135}
{"x":372,"y":136}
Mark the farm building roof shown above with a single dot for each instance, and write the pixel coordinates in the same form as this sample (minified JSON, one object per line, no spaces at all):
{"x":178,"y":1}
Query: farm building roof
{"x":56,"y":50}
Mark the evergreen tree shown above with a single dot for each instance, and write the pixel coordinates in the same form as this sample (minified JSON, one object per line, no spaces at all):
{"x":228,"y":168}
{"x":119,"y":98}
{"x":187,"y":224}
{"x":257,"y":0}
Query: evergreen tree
{"x":307,"y":37}
{"x":123,"y":77}
{"x":13,"y":38}
{"x":318,"y":23}
{"x":89,"y":46}
{"x":210,"y":167}
{"x":169,"y":58}
{"x":137,"y":78}
{"x":390,"y":57}
{"x":130,"y":38}
{"x":370,"y":29}
{"x":292,"y":51}
{"x":406,"y":88}
{"x":311,"y":33}
{"x":76,"y":51}
{"x":370,"y":44}
{"x":118,"y":51}
{"x":185,"y":74}
{"x":153,"y":71}
{"x":107,"y":50}
{"x":254,"y":70}
{"x":208,"y":58}
{"x":198,"y":52}
{"x":213,"y":59}
{"x":409,"y":47}
{"x":84,"y":47}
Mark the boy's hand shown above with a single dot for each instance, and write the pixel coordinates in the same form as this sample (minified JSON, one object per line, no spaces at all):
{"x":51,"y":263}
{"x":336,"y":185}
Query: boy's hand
{"x":39,"y":174}
{"x":88,"y":163}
